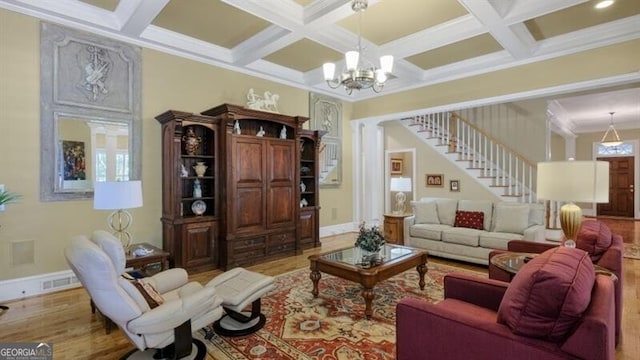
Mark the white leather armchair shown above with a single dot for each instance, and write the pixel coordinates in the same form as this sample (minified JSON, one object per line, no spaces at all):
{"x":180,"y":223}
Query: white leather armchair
{"x":167,"y":328}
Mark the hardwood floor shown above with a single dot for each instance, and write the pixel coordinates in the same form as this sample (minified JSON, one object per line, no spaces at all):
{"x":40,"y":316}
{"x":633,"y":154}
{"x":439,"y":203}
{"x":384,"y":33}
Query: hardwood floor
{"x":64,"y":318}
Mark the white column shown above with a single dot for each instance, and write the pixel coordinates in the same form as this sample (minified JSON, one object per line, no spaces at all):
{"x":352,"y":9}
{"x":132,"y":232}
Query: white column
{"x":368,"y":179}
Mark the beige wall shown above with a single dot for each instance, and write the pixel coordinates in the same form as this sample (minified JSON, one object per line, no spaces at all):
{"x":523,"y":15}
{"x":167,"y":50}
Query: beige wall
{"x":584,"y":142}
{"x":428,"y":161}
{"x":592,"y":64}
{"x":168,"y":82}
{"x":557,"y":148}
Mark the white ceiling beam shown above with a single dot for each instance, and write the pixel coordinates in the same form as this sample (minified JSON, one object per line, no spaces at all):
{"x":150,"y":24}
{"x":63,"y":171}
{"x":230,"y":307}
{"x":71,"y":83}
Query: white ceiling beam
{"x":185,"y":43}
{"x":72,"y":10}
{"x":136,"y":15}
{"x":286,"y":14}
{"x":523,"y":10}
{"x":486,"y":14}
{"x":262,"y":44}
{"x":443,"y":34}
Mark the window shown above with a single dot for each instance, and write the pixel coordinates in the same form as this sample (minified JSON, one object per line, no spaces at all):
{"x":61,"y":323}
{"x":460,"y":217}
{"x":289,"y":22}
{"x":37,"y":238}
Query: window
{"x":121,"y":168}
{"x":623,"y":149}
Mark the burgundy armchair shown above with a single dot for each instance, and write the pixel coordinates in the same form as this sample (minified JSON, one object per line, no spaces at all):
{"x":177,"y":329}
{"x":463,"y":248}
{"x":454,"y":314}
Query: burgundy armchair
{"x":595,"y":237}
{"x":465,"y":326}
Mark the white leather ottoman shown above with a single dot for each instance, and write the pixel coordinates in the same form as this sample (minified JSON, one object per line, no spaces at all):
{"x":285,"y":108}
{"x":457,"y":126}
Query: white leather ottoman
{"x":239,"y":288}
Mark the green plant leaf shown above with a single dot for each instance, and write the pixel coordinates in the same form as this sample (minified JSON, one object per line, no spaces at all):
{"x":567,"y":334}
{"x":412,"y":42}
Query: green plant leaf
{"x":7,"y":197}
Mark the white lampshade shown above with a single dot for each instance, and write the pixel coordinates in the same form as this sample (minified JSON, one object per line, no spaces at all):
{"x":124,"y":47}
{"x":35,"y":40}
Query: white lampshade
{"x":381,"y":76}
{"x":400,"y":184}
{"x":329,"y":69}
{"x":115,"y":195}
{"x":351,"y":58}
{"x":576,"y":181}
{"x":386,"y":63}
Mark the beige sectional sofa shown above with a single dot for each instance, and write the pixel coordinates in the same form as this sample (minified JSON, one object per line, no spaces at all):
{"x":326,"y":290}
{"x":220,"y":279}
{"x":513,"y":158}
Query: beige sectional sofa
{"x":433,"y":227}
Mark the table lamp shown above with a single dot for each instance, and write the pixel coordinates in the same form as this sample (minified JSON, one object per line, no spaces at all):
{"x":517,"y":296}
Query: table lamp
{"x":119,"y":196}
{"x":573,"y":181}
{"x":400,"y":185}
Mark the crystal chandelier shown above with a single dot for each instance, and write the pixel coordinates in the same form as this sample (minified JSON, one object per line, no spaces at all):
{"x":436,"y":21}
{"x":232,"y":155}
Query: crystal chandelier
{"x":359,"y":73}
{"x":611,"y":137}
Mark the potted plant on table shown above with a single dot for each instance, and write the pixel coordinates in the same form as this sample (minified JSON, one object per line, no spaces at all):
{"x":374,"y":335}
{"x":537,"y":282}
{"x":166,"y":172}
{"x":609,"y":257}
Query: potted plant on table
{"x":370,"y":240}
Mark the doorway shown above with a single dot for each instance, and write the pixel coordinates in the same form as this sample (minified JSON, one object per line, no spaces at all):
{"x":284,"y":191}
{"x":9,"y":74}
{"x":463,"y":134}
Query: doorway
{"x":621,"y":187}
{"x":399,"y":163}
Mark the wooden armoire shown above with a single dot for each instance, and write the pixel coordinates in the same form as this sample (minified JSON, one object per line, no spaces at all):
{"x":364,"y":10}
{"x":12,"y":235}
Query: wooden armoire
{"x":259,"y":189}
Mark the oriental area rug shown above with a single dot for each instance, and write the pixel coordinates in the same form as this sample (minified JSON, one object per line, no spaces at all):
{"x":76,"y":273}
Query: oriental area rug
{"x":331,"y":326}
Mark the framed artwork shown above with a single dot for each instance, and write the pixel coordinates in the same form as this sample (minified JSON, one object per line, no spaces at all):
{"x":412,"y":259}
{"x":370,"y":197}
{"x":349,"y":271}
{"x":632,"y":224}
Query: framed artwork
{"x":434,"y":180}
{"x":73,"y":158}
{"x":396,"y":166}
{"x":454,"y":185}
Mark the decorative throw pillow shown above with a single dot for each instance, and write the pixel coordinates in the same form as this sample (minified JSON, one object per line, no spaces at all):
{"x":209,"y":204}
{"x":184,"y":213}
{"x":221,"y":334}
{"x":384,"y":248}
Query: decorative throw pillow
{"x":447,"y":211}
{"x":549,"y":294}
{"x":594,"y":237}
{"x":147,"y":290}
{"x":478,"y":205}
{"x":511,"y":218}
{"x":469,"y":219}
{"x":425,"y":212}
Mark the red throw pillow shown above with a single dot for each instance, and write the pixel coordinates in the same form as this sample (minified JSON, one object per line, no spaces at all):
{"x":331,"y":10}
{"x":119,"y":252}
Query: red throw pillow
{"x":595,"y":238}
{"x":548,"y":296}
{"x":469,"y":219}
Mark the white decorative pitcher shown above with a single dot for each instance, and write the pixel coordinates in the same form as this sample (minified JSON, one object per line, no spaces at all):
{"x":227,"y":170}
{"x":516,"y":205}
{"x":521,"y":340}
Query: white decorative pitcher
{"x":200,"y":168}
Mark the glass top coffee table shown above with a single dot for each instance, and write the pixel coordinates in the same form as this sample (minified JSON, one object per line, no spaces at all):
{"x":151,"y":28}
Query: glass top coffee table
{"x":347,"y":264}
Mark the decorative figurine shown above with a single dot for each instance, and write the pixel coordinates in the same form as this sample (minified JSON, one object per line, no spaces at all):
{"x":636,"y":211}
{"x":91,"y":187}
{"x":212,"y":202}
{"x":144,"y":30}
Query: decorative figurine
{"x":197,"y":190}
{"x":283,"y":132}
{"x":303,"y":187}
{"x":183,"y":171}
{"x":304,"y":202}
{"x":236,"y":128}
{"x":260,"y":132}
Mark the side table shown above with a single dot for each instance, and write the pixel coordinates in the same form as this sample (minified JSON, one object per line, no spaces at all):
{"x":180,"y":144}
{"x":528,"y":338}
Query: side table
{"x":156,"y":256}
{"x":512,"y":262}
{"x":394,"y":228}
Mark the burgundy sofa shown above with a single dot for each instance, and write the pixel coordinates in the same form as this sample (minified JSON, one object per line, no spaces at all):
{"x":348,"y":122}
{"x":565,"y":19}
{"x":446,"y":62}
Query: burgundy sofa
{"x":465,"y":326}
{"x":595,"y":237}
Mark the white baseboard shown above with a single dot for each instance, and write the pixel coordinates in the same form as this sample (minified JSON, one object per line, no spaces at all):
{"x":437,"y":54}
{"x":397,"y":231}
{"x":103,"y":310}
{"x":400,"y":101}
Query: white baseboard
{"x":19,"y":288}
{"x":338,"y":229}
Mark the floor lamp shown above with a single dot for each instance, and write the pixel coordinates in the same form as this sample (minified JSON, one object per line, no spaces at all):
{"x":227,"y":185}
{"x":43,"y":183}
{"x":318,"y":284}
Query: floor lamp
{"x":118,"y":196}
{"x":400,"y":185}
{"x":573,"y":181}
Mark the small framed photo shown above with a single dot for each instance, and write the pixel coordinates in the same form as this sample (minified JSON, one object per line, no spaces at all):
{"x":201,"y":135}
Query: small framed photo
{"x":396,"y":166}
{"x":454,"y":185}
{"x":434,"y":180}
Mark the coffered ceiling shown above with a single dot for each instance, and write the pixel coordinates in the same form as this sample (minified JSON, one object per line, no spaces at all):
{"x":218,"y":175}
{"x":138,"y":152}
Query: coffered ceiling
{"x":432,"y":41}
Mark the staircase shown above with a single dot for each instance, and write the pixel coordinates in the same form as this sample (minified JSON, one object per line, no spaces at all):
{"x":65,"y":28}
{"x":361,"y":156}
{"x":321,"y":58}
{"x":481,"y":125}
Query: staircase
{"x":492,"y":164}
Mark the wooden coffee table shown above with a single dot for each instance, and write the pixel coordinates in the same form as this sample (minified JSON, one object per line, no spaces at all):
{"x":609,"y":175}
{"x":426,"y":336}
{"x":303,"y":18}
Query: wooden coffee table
{"x":345,"y":263}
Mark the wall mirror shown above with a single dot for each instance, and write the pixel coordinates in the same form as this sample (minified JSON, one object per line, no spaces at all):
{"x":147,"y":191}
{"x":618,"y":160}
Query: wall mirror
{"x":326,"y":115}
{"x":81,"y":150}
{"x":90,"y":112}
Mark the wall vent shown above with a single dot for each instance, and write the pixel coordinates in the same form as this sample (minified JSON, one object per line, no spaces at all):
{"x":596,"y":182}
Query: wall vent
{"x":59,"y":283}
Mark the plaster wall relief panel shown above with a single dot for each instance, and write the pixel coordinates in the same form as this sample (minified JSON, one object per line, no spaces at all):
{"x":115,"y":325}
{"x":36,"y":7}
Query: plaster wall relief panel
{"x":326,"y":115}
{"x":93,"y":81}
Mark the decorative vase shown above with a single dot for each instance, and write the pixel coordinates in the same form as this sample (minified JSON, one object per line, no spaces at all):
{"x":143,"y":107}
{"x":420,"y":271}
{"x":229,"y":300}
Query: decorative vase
{"x":191,"y":142}
{"x":200,"y":168}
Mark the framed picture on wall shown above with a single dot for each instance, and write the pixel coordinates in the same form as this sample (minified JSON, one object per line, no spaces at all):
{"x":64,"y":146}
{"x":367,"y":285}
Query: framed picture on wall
{"x":434,"y":180}
{"x":454,"y":185}
{"x":396,"y":166}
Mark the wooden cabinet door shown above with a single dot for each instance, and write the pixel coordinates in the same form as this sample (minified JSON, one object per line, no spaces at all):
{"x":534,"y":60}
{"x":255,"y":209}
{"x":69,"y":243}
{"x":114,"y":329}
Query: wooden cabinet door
{"x":247,"y":185}
{"x":281,"y":164}
{"x":199,"y":244}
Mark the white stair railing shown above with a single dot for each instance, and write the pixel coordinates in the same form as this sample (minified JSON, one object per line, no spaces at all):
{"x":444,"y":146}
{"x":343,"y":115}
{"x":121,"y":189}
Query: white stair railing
{"x":328,"y":157}
{"x":503,"y":166}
